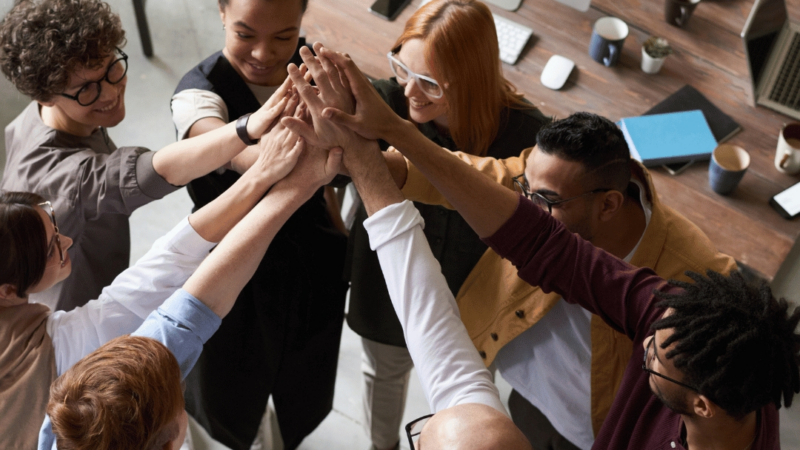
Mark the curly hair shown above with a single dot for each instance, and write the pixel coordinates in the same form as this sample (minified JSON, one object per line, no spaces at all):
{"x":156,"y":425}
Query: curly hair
{"x":125,"y":396}
{"x":42,"y":41}
{"x":735,"y":342}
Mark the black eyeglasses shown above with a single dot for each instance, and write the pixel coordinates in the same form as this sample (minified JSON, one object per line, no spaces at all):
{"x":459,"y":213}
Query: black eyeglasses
{"x":52,"y":213}
{"x":414,"y":428}
{"x":653,"y":372}
{"x":90,"y":92}
{"x":543,"y":202}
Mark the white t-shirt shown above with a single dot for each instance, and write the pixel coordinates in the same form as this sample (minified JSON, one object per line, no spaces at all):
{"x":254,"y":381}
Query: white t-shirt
{"x":191,"y":105}
{"x":550,"y":363}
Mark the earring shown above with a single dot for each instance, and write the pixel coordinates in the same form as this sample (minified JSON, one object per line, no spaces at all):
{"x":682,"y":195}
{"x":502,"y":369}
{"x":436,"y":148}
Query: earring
{"x":223,"y":26}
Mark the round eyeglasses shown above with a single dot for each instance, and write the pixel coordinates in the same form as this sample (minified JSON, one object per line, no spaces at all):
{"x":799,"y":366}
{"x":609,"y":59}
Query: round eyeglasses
{"x":90,"y":92}
{"x":427,"y":85}
{"x":521,"y":182}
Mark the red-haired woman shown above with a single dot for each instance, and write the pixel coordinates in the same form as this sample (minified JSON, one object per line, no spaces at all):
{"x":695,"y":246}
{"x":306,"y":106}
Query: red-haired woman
{"x":448,"y":80}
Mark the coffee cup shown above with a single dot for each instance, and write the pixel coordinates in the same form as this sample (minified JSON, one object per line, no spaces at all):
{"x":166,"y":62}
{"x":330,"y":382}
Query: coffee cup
{"x":727,"y":167}
{"x":787,"y":155}
{"x":608,"y":35}
{"x":677,"y":12}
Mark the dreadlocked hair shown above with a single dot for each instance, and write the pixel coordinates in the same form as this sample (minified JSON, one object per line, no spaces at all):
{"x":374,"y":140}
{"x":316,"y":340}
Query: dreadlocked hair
{"x":736,"y":343}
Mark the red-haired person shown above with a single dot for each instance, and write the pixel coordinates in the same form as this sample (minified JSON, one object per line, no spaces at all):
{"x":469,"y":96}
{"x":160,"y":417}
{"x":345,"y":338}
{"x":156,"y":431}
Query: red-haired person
{"x":66,"y":55}
{"x":449,"y":82}
{"x":38,"y":344}
{"x":127,"y":394}
{"x":290,"y":316}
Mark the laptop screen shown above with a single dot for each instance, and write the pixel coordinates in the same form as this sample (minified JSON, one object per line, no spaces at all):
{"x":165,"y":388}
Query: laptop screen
{"x":760,"y":31}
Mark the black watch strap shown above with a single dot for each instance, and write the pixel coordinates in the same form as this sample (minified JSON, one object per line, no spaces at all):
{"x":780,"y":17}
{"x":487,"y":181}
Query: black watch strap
{"x":241,"y":130}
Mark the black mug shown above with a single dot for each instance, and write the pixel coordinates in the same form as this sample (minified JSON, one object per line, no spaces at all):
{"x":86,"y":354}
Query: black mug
{"x":608,"y":36}
{"x":677,"y":12}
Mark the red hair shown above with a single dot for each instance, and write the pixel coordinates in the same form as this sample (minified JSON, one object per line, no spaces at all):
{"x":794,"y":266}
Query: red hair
{"x":461,"y":50}
{"x":123,"y":396}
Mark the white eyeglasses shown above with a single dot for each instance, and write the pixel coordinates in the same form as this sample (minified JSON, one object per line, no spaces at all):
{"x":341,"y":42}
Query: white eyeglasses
{"x":427,"y":85}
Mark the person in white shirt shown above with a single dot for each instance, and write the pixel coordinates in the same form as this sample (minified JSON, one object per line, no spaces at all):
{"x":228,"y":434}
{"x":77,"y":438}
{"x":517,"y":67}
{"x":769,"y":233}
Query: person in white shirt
{"x":38,"y":345}
{"x":182,"y":324}
{"x":468,"y":413}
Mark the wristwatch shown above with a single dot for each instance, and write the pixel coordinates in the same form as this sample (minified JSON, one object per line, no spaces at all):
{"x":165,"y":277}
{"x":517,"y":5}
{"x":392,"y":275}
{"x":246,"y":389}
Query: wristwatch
{"x":241,"y":130}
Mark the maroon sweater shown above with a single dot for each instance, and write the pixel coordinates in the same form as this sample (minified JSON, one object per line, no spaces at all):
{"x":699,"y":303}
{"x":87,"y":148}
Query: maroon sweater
{"x":548,"y":255}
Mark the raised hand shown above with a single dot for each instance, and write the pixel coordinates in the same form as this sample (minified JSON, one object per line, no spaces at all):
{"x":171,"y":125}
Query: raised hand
{"x":262,"y":120}
{"x":332,"y":90}
{"x":280,"y":149}
{"x":286,"y":107}
{"x":372,"y":118}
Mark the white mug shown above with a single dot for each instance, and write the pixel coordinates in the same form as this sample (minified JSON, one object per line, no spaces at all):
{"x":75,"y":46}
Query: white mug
{"x":787,"y":155}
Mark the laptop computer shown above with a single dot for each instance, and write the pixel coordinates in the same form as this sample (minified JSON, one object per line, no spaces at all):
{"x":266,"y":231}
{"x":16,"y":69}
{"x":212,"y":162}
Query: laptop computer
{"x":772,"y":49}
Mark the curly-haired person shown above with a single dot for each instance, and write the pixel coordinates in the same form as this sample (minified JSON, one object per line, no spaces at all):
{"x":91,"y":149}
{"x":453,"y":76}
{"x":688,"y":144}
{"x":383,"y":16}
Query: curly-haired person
{"x":65,"y":55}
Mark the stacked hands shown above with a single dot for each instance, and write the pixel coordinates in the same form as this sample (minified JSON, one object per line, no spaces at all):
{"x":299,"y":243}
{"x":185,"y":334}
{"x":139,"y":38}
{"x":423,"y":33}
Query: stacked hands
{"x":307,"y":131}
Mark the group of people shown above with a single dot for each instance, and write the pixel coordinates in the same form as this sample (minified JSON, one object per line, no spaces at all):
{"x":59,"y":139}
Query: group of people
{"x":533,"y":247}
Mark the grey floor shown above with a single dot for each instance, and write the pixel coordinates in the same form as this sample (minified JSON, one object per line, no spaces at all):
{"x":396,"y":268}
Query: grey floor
{"x":185,"y":32}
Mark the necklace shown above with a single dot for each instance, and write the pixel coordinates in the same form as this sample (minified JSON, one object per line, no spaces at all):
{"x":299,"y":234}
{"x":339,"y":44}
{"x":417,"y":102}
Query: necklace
{"x":750,"y":444}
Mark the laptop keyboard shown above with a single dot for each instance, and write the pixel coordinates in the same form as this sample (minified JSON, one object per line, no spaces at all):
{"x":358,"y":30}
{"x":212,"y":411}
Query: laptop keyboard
{"x":786,"y":90}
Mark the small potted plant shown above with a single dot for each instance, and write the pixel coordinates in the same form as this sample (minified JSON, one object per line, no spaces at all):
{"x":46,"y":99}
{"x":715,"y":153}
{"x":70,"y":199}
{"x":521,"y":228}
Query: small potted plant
{"x":654,"y":51}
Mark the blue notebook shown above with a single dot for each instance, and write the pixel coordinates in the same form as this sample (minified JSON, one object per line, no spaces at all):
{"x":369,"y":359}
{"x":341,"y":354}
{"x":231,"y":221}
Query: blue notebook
{"x":668,"y":138}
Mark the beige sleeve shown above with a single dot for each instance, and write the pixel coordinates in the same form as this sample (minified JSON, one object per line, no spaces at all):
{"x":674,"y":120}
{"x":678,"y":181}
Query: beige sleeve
{"x":419,"y":189}
{"x":190,"y":105}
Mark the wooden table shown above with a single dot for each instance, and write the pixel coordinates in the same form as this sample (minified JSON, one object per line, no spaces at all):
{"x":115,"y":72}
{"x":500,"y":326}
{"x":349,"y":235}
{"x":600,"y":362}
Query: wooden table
{"x":708,"y":55}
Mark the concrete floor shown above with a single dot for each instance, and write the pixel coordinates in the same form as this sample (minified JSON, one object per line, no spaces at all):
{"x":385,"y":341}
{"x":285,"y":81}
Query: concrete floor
{"x":184,"y":32}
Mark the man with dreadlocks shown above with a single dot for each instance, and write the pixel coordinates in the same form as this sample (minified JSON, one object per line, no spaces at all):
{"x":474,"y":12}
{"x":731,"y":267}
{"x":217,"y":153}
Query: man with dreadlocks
{"x":712,"y":360}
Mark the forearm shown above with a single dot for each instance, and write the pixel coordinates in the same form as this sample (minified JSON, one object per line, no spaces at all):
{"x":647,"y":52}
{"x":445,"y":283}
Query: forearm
{"x":371,"y":176}
{"x":214,"y":220}
{"x":218,"y":281}
{"x":419,"y":189}
{"x":483,"y":203}
{"x":183,"y":161}
{"x":448,"y":365}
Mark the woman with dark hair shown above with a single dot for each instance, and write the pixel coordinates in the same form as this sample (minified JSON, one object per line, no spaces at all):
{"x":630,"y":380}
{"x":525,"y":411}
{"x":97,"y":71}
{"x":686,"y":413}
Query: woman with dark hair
{"x":38,"y":345}
{"x":289,"y":318}
{"x":90,"y":406}
{"x":65,"y":54}
{"x":449,"y":81}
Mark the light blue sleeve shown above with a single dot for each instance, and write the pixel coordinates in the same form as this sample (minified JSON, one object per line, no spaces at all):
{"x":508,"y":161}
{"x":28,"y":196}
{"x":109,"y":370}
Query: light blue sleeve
{"x":183,"y":324}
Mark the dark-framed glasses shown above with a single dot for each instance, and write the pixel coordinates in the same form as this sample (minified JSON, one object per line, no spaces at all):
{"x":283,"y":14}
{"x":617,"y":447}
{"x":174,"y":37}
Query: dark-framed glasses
{"x":57,"y":235}
{"x":427,"y":85}
{"x":521,"y":183}
{"x":90,"y":92}
{"x":646,"y":366}
{"x":414,"y":428}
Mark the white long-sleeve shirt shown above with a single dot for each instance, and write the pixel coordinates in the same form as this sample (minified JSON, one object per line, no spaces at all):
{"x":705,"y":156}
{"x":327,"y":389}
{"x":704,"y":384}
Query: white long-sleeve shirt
{"x":124,"y":305}
{"x":448,"y":365}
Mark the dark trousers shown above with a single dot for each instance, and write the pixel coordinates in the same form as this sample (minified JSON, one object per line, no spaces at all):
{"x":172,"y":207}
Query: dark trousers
{"x":281,"y":338}
{"x":535,"y":426}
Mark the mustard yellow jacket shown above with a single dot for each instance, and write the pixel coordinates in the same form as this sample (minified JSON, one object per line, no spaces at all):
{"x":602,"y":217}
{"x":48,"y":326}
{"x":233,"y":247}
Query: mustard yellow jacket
{"x":497,"y":306}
